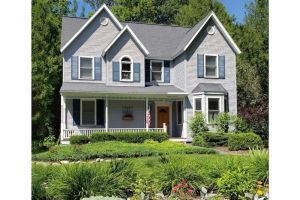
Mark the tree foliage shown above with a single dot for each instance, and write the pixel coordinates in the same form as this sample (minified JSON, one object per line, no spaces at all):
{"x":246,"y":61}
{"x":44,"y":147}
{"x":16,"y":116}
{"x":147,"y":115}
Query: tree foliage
{"x":46,"y":65}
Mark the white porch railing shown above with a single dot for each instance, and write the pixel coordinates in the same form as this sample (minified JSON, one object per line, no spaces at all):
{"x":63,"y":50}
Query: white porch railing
{"x":67,"y":133}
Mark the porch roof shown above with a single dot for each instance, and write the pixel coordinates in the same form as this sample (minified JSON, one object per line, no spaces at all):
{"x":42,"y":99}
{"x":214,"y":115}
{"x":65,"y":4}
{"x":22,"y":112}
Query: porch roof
{"x":102,"y":88}
{"x":209,"y":87}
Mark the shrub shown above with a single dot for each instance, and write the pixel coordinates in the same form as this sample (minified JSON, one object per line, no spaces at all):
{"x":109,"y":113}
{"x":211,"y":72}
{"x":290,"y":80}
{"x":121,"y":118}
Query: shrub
{"x":215,"y":139}
{"x":259,"y":162}
{"x":239,"y":124}
{"x":242,"y":141}
{"x":131,"y":137}
{"x":198,"y":123}
{"x":198,"y":140}
{"x":102,"y":198}
{"x":79,"y":139}
{"x":49,"y":141}
{"x":235,"y":183}
{"x":222,"y":122}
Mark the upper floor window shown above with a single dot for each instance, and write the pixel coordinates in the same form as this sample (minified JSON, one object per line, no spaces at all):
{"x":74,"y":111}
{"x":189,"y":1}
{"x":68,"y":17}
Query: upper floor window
{"x":86,"y":66}
{"x":211,"y":66}
{"x":126,"y":69}
{"x":156,"y":71}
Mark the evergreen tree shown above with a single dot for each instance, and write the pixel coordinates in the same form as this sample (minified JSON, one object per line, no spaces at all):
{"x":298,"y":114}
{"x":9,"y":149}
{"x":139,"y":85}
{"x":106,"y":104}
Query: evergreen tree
{"x":74,"y":8}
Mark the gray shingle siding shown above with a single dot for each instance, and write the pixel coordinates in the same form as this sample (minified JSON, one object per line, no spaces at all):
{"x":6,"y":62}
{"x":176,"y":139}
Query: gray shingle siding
{"x":179,"y":72}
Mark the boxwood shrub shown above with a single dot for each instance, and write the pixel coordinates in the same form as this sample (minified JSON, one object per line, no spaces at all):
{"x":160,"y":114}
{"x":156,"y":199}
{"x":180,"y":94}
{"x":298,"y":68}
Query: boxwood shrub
{"x":215,"y":139}
{"x":131,"y":137}
{"x":79,"y":139}
{"x":242,"y":141}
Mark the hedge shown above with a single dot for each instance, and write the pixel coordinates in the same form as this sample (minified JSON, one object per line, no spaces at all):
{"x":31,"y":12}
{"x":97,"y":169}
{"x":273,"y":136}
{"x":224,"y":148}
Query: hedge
{"x":79,"y":139}
{"x":243,"y":141}
{"x":215,"y":139}
{"x":131,"y":137}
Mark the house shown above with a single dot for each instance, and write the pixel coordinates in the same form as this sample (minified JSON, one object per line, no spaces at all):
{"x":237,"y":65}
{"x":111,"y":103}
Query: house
{"x":127,"y":76}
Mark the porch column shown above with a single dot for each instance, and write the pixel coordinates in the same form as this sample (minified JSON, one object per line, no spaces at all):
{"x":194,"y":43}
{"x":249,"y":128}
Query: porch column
{"x":184,"y":127}
{"x":147,"y":110}
{"x":106,"y":114}
{"x":63,"y":117}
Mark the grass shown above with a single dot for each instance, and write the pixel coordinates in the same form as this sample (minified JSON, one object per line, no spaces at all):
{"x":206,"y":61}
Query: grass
{"x":116,"y":149}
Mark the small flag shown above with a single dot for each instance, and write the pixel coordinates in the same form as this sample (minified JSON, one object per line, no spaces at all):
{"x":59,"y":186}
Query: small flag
{"x":148,"y":118}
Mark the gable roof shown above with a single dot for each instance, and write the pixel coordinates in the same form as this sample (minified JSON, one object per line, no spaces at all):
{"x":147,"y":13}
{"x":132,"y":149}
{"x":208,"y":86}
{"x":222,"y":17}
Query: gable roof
{"x":126,"y":28}
{"x":157,"y":41}
{"x":209,"y":87}
{"x":103,"y":7}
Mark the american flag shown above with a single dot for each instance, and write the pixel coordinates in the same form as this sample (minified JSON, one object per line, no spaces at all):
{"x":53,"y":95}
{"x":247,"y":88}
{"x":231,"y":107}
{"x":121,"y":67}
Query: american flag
{"x":148,"y":118}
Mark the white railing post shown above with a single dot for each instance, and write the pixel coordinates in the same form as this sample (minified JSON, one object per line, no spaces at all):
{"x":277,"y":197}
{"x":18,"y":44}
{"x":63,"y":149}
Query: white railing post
{"x":147,"y":110}
{"x":165,"y":127}
{"x":63,"y":117}
{"x":106,"y":114}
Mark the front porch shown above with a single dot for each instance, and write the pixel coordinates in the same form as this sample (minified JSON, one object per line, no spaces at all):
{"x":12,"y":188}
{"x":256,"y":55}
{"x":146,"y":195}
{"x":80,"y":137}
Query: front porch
{"x":86,"y":115}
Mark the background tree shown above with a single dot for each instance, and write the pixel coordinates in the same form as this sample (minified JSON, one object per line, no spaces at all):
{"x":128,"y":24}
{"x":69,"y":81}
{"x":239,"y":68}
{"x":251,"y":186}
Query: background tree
{"x":82,"y":13}
{"x":46,"y":66}
{"x":74,"y":8}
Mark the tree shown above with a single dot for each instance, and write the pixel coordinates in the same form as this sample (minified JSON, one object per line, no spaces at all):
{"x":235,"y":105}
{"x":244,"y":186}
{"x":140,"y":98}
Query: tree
{"x":82,"y":14}
{"x":73,"y":10}
{"x":46,"y":66}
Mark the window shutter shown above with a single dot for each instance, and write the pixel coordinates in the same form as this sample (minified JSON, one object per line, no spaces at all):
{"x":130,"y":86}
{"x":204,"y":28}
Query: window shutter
{"x":221,"y":63}
{"x":147,"y":70}
{"x":167,"y":71}
{"x":76,"y":112}
{"x":136,"y":72}
{"x":74,"y":67}
{"x":200,"y":65}
{"x":116,"y":71}
{"x":98,"y":68}
{"x":100,"y":112}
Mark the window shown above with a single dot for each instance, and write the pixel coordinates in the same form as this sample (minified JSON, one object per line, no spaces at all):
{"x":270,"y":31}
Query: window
{"x":179,"y":112}
{"x":126,"y":69}
{"x":213,"y":108}
{"x":157,"y":71}
{"x":197,"y":105}
{"x":86,"y":67}
{"x":211,"y":63}
{"x":88,"y":110}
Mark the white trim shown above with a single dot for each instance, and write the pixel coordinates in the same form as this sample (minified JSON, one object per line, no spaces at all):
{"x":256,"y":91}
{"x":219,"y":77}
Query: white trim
{"x":131,"y":69}
{"x":221,"y":27}
{"x":221,"y":107}
{"x":79,"y":57}
{"x":217,"y":65}
{"x":177,"y":112}
{"x":89,"y":21}
{"x":162,"y":71}
{"x":95,"y":109}
{"x":169,"y":104}
{"x":106,"y":114}
{"x":134,"y":37}
{"x":194,"y":104}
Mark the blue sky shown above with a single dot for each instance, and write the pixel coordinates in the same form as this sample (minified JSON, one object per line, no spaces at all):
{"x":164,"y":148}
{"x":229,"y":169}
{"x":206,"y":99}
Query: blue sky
{"x":234,"y":7}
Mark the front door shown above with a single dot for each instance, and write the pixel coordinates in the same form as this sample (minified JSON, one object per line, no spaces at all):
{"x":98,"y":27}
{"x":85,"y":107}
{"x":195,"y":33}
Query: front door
{"x":162,"y":116}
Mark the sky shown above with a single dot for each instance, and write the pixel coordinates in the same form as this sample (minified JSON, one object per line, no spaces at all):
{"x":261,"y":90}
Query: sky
{"x":234,"y":7}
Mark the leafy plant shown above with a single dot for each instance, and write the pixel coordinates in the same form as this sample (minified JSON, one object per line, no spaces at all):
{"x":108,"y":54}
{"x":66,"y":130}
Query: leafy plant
{"x":242,"y":141}
{"x":259,"y":161}
{"x":235,"y":183}
{"x":79,"y":139}
{"x":49,"y":141}
{"x":198,"y":140}
{"x":198,"y":123}
{"x":102,"y":198}
{"x":239,"y":124}
{"x":145,"y":188}
{"x":184,"y":190}
{"x":222,"y":122}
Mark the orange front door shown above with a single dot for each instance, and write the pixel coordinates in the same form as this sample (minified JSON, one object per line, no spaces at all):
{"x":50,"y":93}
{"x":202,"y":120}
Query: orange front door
{"x":162,"y":116}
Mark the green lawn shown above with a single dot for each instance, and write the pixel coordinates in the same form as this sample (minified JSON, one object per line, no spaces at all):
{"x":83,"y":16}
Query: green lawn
{"x":115,"y":149}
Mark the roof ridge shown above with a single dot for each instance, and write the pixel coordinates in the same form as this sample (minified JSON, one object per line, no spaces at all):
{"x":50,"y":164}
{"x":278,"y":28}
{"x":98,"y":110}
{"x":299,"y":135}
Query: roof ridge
{"x":76,"y":17}
{"x":171,"y":25}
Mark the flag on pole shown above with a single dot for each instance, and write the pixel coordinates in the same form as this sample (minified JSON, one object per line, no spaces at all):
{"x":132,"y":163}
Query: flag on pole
{"x":148,"y":118}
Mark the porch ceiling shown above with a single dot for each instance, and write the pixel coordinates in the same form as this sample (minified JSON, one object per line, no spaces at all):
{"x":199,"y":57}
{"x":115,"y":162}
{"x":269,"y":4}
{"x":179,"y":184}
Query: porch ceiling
{"x":100,"y":88}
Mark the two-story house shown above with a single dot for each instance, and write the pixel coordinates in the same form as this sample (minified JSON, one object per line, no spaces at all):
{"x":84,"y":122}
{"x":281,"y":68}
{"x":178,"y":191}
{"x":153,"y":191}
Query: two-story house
{"x":127,"y":76}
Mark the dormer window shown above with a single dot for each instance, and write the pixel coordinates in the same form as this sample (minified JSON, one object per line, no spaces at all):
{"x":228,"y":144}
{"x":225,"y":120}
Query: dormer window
{"x":86,"y":66}
{"x":126,"y":69}
{"x":211,"y":66}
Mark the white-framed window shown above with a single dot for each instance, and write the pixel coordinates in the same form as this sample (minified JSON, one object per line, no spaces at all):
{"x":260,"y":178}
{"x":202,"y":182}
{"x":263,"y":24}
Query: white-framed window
{"x":197,"y":105}
{"x":88,"y":112}
{"x":179,"y":105}
{"x":213,"y":108}
{"x":157,"y":70}
{"x":126,"y":69}
{"x":86,"y":67}
{"x":211,"y":66}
